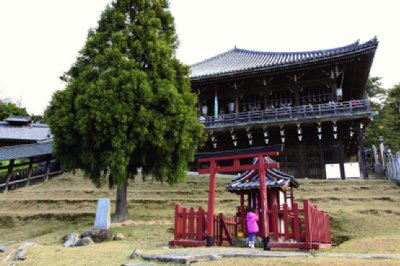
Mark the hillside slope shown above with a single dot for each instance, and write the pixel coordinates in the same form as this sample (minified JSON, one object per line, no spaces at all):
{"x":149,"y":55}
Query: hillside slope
{"x":365,"y":214}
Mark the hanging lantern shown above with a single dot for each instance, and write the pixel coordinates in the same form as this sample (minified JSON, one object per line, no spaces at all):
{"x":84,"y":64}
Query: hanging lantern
{"x":231,"y":107}
{"x":339,"y":93}
{"x":204,"y":110}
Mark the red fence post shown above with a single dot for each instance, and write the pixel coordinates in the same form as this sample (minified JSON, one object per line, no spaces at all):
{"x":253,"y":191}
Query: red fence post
{"x":220,"y":229}
{"x":307,"y":223}
{"x":286,"y":220}
{"x":191,"y":223}
{"x":296,"y":222}
{"x":275,"y":219}
{"x":177,"y":227}
{"x":199,"y":226}
{"x":184,"y":220}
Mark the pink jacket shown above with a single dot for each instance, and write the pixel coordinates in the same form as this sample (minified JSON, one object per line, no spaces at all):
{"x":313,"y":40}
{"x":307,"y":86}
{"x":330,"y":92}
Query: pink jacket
{"x":251,"y":219}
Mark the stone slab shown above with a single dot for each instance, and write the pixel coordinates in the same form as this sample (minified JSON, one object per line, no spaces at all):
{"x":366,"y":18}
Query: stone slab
{"x":103,"y":216}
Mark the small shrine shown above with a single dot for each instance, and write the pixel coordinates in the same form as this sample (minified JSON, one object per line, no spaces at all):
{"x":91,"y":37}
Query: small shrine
{"x":282,"y":223}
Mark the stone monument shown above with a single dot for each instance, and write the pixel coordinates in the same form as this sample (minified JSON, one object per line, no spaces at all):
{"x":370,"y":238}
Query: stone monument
{"x":103,"y":217}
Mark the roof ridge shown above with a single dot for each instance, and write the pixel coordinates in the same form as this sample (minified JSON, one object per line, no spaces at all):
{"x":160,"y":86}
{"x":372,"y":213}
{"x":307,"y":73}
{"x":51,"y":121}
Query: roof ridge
{"x":351,"y":45}
{"x":238,"y":59}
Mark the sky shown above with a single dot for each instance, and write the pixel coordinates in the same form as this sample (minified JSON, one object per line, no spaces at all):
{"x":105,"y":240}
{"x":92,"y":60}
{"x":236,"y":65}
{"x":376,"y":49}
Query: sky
{"x":40,"y":39}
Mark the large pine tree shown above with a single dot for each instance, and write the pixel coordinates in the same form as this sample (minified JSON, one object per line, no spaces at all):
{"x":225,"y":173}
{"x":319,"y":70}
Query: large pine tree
{"x":127,"y":104}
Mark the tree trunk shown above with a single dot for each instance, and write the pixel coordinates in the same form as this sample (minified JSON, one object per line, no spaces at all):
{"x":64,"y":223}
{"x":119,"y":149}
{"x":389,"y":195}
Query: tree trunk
{"x":121,"y":209}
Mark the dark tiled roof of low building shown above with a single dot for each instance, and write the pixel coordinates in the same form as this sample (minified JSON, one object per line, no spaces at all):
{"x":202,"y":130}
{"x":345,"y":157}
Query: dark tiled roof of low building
{"x":240,"y":60}
{"x":19,"y":119}
{"x":34,"y":132}
{"x":25,"y":151}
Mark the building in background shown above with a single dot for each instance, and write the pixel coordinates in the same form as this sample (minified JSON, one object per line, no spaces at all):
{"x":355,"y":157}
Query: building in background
{"x":313,"y":102}
{"x":16,"y":130}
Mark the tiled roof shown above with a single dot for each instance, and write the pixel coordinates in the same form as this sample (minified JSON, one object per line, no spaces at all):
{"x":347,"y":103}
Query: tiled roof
{"x":251,"y":180}
{"x":19,"y":119}
{"x":240,"y":60}
{"x":35,"y":132}
{"x":25,"y":151}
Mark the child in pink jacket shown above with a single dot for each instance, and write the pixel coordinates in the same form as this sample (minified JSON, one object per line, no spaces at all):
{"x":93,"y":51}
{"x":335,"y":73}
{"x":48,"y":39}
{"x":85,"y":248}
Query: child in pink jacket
{"x":252,"y":226}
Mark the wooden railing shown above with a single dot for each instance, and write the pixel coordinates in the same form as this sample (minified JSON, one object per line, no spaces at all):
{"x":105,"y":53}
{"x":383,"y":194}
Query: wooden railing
{"x":317,"y":225}
{"x":282,"y":114}
{"x":18,"y":177}
{"x":308,"y":228}
{"x":190,"y":228}
{"x":225,"y":229}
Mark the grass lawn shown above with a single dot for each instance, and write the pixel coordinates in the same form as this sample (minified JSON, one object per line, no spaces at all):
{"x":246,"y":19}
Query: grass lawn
{"x":365,"y":218}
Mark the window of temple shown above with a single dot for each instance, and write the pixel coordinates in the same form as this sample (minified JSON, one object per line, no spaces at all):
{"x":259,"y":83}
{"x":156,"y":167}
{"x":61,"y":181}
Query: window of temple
{"x":279,"y":99}
{"x":315,"y":95}
{"x":251,"y":103}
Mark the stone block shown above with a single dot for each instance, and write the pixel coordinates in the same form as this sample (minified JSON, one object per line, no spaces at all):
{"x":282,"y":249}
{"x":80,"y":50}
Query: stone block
{"x":103,"y":216}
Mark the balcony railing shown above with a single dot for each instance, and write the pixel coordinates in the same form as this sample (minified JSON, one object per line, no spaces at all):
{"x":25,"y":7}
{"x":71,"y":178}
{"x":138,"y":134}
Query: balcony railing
{"x":289,"y":114}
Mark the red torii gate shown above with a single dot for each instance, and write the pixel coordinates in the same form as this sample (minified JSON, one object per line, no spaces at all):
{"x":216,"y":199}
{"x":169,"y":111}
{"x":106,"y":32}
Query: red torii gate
{"x":213,"y":168}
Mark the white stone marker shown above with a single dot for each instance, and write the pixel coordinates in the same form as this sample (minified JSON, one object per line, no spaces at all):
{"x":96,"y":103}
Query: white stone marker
{"x":103,"y":217}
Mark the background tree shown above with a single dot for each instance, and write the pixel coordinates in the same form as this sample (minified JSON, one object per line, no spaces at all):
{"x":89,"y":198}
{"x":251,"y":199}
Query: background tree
{"x":386,"y":123}
{"x":8,"y":108}
{"x":391,"y":113}
{"x":128,"y":102}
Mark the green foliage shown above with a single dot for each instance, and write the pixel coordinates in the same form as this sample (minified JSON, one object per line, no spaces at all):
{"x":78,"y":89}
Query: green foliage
{"x":375,"y":91}
{"x":387,"y":122}
{"x":8,"y":109}
{"x":128,"y":102}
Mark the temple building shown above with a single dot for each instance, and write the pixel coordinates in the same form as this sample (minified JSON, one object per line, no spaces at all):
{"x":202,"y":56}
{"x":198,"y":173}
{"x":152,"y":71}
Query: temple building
{"x":313,"y":102}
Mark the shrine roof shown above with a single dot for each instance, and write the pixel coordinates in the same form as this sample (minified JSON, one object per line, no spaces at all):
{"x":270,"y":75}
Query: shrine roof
{"x":251,"y":180}
{"x":237,"y":61}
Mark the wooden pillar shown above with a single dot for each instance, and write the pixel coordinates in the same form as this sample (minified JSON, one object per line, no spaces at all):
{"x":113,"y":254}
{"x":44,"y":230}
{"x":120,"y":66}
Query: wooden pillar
{"x":47,"y":169}
{"x":285,"y":158}
{"x":211,"y":203}
{"x":333,"y":91}
{"x":199,"y":111}
{"x":321,"y":158}
{"x":362,"y":152}
{"x":242,"y":212}
{"x":340,"y":154}
{"x":9,"y":173}
{"x":297,"y":97}
{"x":264,"y":203}
{"x":29,"y":172}
{"x":301,"y":160}
{"x":266,"y":104}
{"x":236,"y":104}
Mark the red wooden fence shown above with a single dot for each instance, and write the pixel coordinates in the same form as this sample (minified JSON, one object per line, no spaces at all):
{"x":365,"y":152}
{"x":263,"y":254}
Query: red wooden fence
{"x":307,"y":228}
{"x":225,"y":229}
{"x":190,"y":227}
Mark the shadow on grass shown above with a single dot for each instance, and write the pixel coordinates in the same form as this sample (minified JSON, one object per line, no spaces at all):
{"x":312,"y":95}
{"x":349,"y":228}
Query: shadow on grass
{"x":338,"y":229}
